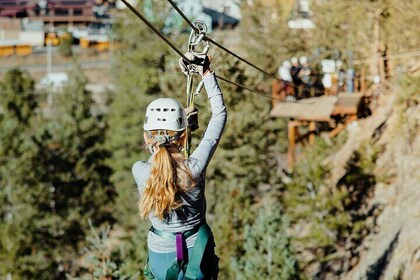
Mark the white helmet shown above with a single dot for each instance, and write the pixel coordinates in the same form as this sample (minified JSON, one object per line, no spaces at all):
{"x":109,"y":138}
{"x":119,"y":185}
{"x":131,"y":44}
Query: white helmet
{"x":303,"y":60}
{"x":286,"y":64}
{"x":294,"y":60}
{"x":165,"y":114}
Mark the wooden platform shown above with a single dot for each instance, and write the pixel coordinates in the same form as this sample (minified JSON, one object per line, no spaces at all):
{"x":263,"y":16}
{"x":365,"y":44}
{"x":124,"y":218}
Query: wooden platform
{"x":319,"y":109}
{"x":338,"y":111}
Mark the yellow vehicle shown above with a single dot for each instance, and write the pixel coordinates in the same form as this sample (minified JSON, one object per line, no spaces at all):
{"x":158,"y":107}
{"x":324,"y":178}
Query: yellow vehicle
{"x":102,"y":45}
{"x":14,"y":48}
{"x":23,"y":49}
{"x":99,"y":42}
{"x":84,"y":43}
{"x":52,"y":38}
{"x":6,"y":50}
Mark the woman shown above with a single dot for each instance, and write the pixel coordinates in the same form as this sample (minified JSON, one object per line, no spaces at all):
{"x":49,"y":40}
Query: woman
{"x":180,"y":243}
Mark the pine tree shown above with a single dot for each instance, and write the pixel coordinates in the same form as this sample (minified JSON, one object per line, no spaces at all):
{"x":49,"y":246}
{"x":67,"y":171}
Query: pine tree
{"x":59,"y":180}
{"x":267,"y":248}
{"x":17,"y":113}
{"x":99,"y":258}
{"x":72,"y":145}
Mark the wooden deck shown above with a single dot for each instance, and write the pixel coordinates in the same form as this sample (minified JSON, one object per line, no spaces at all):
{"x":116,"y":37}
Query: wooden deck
{"x":319,"y":109}
{"x":337,"y":111}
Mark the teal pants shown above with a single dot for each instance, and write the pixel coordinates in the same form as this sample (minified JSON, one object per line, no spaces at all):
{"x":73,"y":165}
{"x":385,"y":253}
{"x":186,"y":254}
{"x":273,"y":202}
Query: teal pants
{"x":160,"y":262}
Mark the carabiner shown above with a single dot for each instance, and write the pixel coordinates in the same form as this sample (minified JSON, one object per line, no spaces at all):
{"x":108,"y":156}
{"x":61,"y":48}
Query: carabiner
{"x":197,"y":36}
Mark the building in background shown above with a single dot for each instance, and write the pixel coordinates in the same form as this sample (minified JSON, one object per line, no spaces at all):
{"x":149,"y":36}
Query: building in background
{"x":224,"y":14}
{"x":216,"y":14}
{"x":24,"y":31}
{"x":56,"y":12}
{"x":17,"y":37}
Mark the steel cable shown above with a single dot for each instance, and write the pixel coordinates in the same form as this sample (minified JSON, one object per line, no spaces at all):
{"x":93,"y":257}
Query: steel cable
{"x":170,"y":44}
{"x":219,"y":45}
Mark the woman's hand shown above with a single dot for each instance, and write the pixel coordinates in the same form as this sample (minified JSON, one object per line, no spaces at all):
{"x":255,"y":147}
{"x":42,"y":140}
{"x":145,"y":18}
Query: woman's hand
{"x":200,"y":64}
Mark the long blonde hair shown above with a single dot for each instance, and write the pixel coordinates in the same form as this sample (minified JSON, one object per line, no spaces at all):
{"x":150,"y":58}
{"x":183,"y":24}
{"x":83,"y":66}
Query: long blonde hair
{"x":169,"y":177}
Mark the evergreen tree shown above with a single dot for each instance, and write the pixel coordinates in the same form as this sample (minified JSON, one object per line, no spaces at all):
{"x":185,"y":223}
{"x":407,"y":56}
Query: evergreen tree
{"x":17,"y":112}
{"x":268,"y":254}
{"x":72,"y":145}
{"x":99,"y":258}
{"x":58,"y":182}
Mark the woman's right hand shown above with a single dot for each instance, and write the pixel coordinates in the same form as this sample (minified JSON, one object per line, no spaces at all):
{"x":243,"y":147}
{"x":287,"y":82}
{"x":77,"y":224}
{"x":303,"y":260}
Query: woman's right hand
{"x":200,"y":64}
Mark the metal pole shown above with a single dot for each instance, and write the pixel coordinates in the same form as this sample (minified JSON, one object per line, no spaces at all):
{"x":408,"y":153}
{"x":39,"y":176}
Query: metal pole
{"x":49,"y":71}
{"x":49,"y":58}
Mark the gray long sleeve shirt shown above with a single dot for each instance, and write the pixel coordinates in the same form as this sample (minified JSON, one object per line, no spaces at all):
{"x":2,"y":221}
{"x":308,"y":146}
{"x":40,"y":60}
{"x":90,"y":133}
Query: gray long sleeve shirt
{"x":193,"y":209}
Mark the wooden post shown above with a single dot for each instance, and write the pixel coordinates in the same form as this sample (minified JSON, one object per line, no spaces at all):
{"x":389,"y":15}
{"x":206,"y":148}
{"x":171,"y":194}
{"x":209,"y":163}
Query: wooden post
{"x":276,"y":92}
{"x":363,"y":80}
{"x":291,"y":151}
{"x":312,"y":128}
{"x":375,"y":66}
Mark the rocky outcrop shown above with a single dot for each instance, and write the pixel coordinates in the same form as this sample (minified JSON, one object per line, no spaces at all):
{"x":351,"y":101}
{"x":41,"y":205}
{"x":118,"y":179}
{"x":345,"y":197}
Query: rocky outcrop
{"x":392,"y":250}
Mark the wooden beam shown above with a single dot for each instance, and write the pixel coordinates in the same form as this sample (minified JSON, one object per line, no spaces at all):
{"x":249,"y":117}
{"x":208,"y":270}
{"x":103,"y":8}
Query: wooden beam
{"x":291,"y":135}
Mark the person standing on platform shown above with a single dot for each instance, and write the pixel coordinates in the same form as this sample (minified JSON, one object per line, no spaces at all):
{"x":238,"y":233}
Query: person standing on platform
{"x":305,"y":76}
{"x":294,"y":72}
{"x":286,"y":79}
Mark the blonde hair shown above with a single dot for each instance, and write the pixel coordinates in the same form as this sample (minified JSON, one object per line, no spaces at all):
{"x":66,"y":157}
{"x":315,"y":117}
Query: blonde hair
{"x":169,"y":177}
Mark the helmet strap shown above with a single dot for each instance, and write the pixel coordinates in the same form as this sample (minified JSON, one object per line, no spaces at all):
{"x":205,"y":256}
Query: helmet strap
{"x":163,"y":138}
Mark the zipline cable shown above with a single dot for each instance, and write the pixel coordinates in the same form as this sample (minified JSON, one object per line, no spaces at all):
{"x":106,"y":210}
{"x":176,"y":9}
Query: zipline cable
{"x":219,"y":45}
{"x":170,"y":44}
{"x":260,"y":93}
{"x":140,"y":16}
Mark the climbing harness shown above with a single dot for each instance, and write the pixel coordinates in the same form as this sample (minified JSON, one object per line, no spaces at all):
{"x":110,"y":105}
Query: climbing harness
{"x":197,"y":36}
{"x":190,"y":267}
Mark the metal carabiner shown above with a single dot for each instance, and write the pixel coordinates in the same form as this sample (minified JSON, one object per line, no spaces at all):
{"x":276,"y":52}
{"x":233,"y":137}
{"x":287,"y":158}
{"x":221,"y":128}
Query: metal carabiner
{"x":197,"y":36}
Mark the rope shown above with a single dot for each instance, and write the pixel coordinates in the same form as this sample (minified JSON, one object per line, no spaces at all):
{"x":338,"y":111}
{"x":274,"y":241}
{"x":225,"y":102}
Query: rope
{"x":170,"y":44}
{"x":219,"y":45}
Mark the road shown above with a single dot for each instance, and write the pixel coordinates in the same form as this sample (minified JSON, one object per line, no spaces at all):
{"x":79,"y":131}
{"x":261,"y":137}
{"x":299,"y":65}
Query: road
{"x":58,"y":66}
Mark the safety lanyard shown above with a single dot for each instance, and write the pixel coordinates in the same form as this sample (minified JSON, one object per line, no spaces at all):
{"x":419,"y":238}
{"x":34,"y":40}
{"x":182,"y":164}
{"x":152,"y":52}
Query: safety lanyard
{"x":197,"y":36}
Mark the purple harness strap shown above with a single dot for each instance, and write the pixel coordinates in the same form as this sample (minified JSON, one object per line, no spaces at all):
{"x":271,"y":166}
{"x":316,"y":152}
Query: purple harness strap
{"x":180,"y":247}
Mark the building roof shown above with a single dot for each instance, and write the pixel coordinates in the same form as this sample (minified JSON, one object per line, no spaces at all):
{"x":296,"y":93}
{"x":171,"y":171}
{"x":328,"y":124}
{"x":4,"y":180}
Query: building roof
{"x":230,"y":8}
